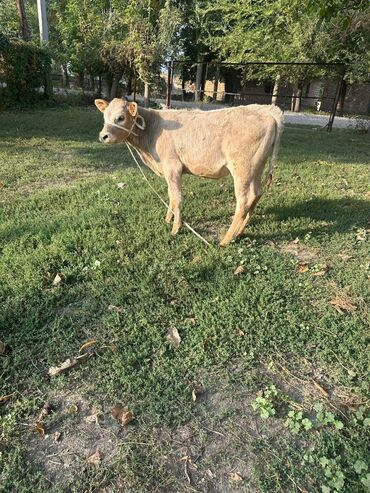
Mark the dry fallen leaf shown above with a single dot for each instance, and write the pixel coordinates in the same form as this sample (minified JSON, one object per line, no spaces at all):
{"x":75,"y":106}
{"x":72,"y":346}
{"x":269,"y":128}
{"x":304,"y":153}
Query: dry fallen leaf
{"x":324,"y":269}
{"x":239,"y":332}
{"x":361,"y":235}
{"x":239,"y":270}
{"x":173,"y":337}
{"x":95,"y":458}
{"x":2,"y":347}
{"x":127,"y":417}
{"x":114,"y":308}
{"x":112,"y":347}
{"x":45,"y":411}
{"x":73,"y":409}
{"x":343,"y":305}
{"x":344,"y":256}
{"x":6,"y":398}
{"x":296,"y":241}
{"x":120,"y":242}
{"x":121,"y":415}
{"x":39,"y":427}
{"x":96,"y":412}
{"x":57,"y":436}
{"x":57,"y":280}
{"x":302,"y":267}
{"x":87,"y":344}
{"x":121,"y":185}
{"x":235,"y":477}
{"x":117,"y":411}
{"x":93,"y":418}
{"x":193,"y":395}
{"x":68,"y":364}
{"x":320,"y":388}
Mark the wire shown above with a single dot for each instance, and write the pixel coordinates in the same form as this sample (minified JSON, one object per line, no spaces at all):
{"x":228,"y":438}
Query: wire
{"x":160,"y":198}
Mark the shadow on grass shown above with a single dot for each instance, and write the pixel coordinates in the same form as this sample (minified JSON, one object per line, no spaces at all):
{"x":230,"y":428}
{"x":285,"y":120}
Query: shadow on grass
{"x":323,"y":146}
{"x":338,"y":216}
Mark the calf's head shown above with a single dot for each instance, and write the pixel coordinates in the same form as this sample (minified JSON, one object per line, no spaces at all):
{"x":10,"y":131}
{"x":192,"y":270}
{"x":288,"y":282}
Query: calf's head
{"x":119,"y":119}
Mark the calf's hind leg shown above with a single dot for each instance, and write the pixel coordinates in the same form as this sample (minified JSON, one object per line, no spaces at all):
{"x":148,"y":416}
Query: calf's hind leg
{"x":254,"y":195}
{"x":241,"y":195}
{"x":169,"y":214}
{"x":247,"y":196}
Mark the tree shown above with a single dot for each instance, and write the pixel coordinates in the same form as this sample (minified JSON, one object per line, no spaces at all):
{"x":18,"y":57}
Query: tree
{"x":293,"y":31}
{"x":345,"y":38}
{"x":152,"y":27}
{"x":23,"y":20}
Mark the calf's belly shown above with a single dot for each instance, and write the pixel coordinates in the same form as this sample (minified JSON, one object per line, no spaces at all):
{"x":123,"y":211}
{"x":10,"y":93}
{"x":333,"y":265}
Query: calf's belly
{"x":206,"y":172}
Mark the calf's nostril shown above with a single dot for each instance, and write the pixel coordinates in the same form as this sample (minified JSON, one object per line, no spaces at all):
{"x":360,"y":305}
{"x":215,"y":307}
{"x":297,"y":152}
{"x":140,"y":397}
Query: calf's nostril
{"x":105,"y":136}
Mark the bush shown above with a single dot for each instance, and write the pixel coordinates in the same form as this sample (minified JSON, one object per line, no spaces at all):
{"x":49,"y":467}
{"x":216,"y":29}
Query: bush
{"x":24,"y":68}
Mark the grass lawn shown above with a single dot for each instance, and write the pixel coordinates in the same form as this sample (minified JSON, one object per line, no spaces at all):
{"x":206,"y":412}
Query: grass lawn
{"x":266,"y":392}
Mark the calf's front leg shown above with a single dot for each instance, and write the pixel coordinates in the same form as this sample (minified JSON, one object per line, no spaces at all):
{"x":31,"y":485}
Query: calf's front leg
{"x":172,"y":173}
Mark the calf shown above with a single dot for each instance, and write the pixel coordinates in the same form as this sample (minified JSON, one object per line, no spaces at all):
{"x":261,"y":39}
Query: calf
{"x":211,"y":144}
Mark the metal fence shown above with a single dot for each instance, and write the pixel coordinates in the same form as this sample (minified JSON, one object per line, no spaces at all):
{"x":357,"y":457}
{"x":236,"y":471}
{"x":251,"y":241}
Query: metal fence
{"x":295,"y":86}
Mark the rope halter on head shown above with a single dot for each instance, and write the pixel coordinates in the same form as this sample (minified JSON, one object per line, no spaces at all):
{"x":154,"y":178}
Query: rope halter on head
{"x":135,"y":123}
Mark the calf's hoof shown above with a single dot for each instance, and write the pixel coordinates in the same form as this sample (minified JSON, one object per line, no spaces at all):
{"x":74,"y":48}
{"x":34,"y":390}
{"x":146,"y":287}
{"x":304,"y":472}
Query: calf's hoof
{"x":224,"y":243}
{"x":175,"y":229}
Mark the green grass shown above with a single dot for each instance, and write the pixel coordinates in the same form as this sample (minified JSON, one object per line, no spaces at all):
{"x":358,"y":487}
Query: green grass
{"x":62,"y":212}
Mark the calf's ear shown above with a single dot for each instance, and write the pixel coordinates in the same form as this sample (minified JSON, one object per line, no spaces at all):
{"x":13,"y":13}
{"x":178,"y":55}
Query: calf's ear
{"x":101,"y":104}
{"x":132,"y":108}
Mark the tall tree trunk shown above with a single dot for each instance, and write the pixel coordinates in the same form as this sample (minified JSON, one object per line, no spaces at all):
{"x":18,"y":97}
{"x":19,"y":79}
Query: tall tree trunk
{"x":92,"y":82}
{"x":183,"y":83}
{"x":198,"y":79}
{"x":146,"y":95}
{"x":129,"y":84}
{"x":244,"y":84}
{"x":99,"y":86}
{"x":297,"y":97}
{"x":204,"y":81}
{"x":114,"y":88}
{"x":275,"y":90}
{"x":65,"y":76}
{"x":48,"y":85}
{"x":342,"y":97}
{"x":216,"y":81}
{"x":81,"y":80}
{"x":108,"y":79}
{"x":25,"y":31}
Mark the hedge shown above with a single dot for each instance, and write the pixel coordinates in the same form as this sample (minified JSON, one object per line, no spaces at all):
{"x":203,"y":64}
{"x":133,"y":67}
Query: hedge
{"x":24,"y":68}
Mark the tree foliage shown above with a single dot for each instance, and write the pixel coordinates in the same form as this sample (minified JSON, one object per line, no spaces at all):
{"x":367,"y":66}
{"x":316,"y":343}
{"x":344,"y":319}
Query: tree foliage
{"x":293,"y":31}
{"x":24,"y":67}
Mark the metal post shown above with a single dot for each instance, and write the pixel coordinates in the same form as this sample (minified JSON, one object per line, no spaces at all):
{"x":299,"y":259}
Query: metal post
{"x":336,"y":99}
{"x":43,"y":21}
{"x":169,"y":83}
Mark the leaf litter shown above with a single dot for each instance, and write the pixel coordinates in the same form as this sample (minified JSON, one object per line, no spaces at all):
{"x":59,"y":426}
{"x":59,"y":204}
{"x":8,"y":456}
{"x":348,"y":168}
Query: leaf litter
{"x":68,"y":364}
{"x":124,"y":417}
{"x":173,"y":337}
{"x":342,"y":304}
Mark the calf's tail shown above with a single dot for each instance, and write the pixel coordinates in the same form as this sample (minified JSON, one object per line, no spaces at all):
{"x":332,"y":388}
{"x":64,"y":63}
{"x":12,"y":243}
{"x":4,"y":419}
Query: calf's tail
{"x":277,"y":114}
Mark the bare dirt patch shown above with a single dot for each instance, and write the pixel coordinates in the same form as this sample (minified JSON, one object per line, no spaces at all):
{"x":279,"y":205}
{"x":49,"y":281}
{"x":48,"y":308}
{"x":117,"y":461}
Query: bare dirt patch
{"x":223,"y":448}
{"x":300,"y":252}
{"x":74,"y":431}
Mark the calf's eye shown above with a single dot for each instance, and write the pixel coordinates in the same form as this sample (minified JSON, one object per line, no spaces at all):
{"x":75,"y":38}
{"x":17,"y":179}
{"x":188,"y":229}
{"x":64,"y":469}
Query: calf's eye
{"x":120,"y":119}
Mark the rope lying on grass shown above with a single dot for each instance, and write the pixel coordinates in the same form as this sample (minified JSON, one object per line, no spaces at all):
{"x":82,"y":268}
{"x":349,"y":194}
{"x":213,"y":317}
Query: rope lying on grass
{"x":160,"y":198}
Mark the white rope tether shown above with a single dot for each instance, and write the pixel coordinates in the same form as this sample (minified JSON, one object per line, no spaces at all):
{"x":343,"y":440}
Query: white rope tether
{"x":160,"y":198}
